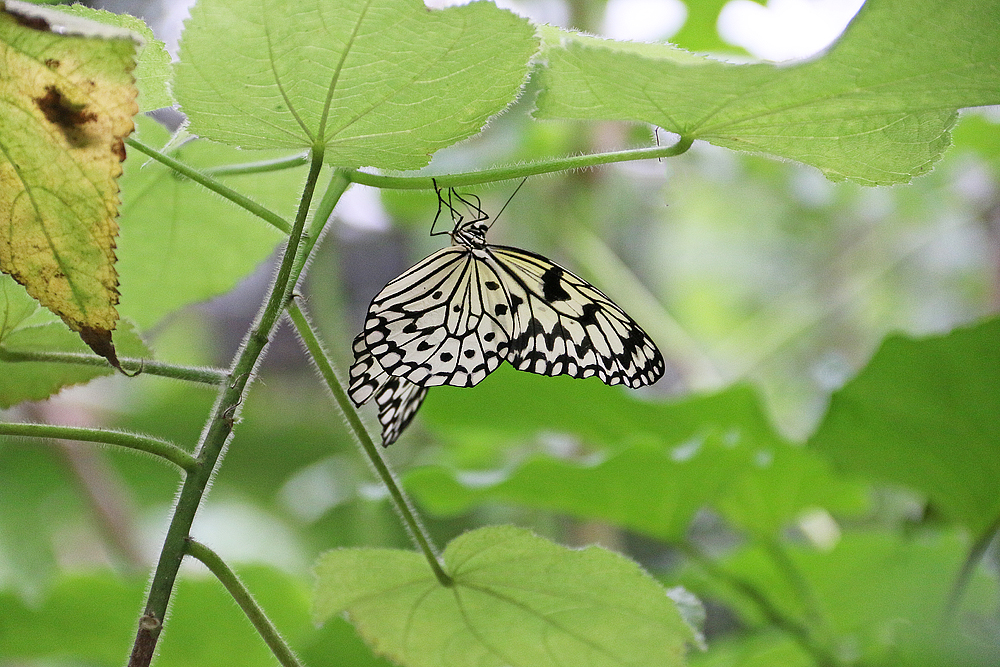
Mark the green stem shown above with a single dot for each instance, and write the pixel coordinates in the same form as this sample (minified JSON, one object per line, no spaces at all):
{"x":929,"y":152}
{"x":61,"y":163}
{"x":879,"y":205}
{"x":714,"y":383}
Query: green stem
{"x":259,"y":167}
{"x":798,"y":582}
{"x":518,"y":171}
{"x":402,"y":502}
{"x":975,"y":555}
{"x":201,"y":375}
{"x":159,"y":448}
{"x":334,"y":189}
{"x":799,"y":631}
{"x":245,"y":600}
{"x":217,"y":434}
{"x":200,"y":177}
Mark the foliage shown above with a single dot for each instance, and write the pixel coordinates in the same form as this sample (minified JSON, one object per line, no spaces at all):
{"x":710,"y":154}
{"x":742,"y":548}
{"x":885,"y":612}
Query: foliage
{"x":857,"y":532}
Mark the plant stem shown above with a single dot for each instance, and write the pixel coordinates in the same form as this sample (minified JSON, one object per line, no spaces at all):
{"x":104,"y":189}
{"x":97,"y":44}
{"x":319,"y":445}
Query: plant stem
{"x":245,"y":600}
{"x":975,"y":555}
{"x":519,"y":171}
{"x":202,"y":375}
{"x":402,"y":502}
{"x":800,"y":632}
{"x":200,"y":177}
{"x":334,"y":189}
{"x":258,"y":167}
{"x":159,"y":448}
{"x":217,"y":434}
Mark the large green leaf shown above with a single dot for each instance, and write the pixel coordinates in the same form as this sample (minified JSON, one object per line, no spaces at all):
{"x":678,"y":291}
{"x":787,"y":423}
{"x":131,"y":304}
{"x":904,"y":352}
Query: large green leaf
{"x":383,"y":82}
{"x":647,"y":489}
{"x":517,"y":600}
{"x":875,"y":109}
{"x":926,"y":413}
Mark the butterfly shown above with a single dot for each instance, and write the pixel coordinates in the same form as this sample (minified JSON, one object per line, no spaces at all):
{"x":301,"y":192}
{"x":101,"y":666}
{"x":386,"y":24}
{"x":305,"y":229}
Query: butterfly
{"x":455,"y":316}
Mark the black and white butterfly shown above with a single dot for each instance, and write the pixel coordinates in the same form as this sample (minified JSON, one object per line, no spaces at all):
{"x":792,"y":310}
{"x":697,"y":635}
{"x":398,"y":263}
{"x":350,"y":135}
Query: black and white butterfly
{"x":458,"y":314}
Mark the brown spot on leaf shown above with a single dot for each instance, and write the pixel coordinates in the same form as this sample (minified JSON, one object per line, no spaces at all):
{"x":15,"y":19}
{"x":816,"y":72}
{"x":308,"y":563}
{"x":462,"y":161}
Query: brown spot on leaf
{"x":52,"y":63}
{"x":67,"y":116}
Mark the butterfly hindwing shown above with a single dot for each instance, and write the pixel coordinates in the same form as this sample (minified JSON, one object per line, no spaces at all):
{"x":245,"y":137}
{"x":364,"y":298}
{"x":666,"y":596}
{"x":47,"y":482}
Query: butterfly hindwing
{"x":397,"y":399}
{"x":568,"y":326}
{"x":445,"y":321}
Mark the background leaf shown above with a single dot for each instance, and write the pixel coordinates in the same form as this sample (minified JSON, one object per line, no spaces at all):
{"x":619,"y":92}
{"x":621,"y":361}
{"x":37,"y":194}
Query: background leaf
{"x":924,"y":414}
{"x":382,"y":83}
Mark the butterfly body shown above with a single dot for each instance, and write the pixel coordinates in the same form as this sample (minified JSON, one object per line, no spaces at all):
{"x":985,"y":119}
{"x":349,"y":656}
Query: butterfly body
{"x":455,"y":316}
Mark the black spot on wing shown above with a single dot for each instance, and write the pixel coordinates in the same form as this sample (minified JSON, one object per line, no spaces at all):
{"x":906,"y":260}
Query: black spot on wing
{"x":552,"y":289}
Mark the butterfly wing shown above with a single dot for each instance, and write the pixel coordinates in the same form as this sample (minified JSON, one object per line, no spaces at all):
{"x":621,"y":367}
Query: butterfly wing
{"x":444,"y":321}
{"x":564,"y":325}
{"x":397,"y":399}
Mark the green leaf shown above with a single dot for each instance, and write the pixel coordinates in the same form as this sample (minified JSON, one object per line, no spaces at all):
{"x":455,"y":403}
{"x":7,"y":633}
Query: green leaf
{"x":875,"y":109}
{"x":780,"y":484}
{"x":153,"y":70}
{"x":67,"y":103}
{"x":647,"y":489}
{"x":517,"y":600}
{"x":26,"y":330}
{"x":181,"y":243}
{"x":924,"y":413}
{"x":382,"y":83}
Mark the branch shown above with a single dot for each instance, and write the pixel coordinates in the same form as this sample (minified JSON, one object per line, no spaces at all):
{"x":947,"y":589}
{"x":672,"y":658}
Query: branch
{"x":141,"y":443}
{"x":198,"y":374}
{"x":519,"y":171}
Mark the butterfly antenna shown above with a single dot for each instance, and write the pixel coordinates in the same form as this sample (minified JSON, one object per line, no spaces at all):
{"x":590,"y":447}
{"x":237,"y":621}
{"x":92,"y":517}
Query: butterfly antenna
{"x":509,"y":199}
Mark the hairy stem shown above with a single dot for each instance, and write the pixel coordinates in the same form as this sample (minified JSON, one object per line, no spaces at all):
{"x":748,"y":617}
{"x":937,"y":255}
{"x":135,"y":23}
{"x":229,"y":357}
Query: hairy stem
{"x":200,"y":177}
{"x":201,"y":375}
{"x":518,"y":171}
{"x":142,"y":443}
{"x":401,"y":501}
{"x":217,"y":433}
{"x":245,"y":600}
{"x":258,"y":167}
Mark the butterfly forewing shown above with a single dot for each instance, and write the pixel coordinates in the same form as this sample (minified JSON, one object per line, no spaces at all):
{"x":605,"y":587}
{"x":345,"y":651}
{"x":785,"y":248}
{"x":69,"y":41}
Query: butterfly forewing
{"x":565,"y":325}
{"x":445,"y":321}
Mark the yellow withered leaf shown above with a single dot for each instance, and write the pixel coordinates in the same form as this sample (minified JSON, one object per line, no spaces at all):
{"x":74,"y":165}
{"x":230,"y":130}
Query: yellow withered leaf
{"x":66,"y":105}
